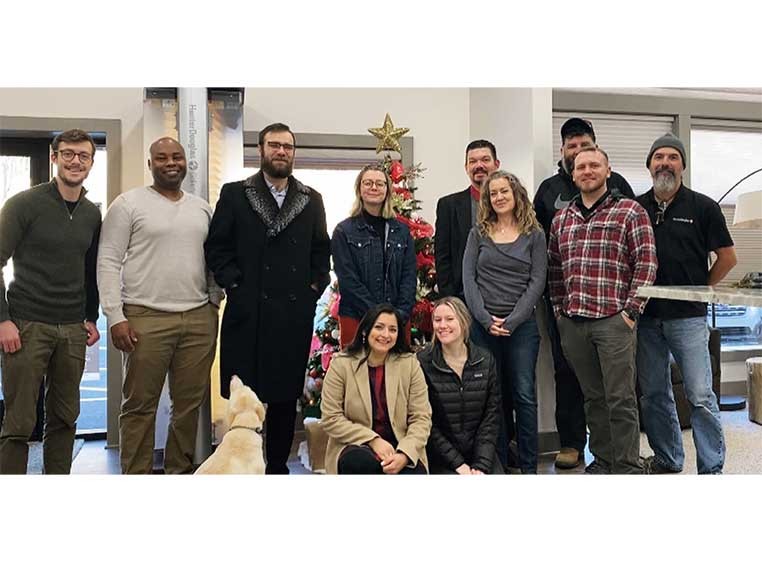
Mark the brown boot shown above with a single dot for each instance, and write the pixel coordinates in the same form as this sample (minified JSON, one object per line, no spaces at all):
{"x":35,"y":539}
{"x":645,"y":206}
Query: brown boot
{"x":568,"y":457}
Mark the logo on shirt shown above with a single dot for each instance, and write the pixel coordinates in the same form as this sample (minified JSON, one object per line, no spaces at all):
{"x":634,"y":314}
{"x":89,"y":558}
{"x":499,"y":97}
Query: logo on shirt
{"x":561,"y":203}
{"x":478,"y":375}
{"x":680,"y":219}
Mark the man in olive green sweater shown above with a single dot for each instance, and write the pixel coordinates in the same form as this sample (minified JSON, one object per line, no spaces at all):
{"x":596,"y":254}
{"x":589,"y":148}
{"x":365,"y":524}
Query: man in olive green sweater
{"x":48,"y":315}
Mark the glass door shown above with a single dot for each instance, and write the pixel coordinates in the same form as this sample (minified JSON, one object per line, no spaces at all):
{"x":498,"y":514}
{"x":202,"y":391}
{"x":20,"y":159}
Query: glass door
{"x":21,"y":161}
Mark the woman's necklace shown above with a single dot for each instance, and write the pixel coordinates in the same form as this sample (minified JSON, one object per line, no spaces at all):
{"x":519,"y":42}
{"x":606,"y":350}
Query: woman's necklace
{"x":502,"y":229}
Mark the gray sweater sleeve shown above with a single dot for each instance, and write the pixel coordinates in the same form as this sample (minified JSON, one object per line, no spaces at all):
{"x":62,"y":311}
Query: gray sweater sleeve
{"x":474,"y":299}
{"x":538,"y":270}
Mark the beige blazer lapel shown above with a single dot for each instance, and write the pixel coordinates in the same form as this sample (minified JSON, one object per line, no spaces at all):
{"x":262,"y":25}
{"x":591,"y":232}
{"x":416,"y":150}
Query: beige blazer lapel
{"x":391,"y":381}
{"x":363,"y":387}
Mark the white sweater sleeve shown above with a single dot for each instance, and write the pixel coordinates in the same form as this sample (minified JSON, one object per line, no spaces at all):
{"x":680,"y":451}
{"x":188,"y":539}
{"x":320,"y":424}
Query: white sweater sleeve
{"x":115,"y":239}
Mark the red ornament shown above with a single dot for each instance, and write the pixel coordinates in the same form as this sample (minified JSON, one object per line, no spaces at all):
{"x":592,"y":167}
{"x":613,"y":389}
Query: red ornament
{"x":396,"y":171}
{"x":422,"y":316}
{"x":423,"y":260}
{"x":419,"y":228}
{"x":402,"y":192}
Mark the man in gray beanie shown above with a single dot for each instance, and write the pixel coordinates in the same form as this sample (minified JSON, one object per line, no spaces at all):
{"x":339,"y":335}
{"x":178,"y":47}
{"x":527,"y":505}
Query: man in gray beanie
{"x":687,"y":227}
{"x":671,"y":141}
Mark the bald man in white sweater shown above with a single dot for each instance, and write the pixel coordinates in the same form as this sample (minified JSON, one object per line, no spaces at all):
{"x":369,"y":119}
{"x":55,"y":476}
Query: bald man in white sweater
{"x":161,"y":305}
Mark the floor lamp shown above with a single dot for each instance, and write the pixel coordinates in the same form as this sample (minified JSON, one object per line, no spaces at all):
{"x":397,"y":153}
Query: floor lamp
{"x":748,"y":214}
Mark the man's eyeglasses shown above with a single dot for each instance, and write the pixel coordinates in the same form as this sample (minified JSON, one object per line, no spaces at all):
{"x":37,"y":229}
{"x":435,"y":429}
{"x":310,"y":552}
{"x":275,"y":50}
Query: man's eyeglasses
{"x":660,"y":213}
{"x":278,"y":145}
{"x":378,"y":183}
{"x":68,"y":155}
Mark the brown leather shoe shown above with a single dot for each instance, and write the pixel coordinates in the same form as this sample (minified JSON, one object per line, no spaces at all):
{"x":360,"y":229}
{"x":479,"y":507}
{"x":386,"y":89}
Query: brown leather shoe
{"x":568,"y":457}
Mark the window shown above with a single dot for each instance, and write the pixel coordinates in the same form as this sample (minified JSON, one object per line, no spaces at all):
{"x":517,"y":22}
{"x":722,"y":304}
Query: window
{"x":723,"y":153}
{"x":625,"y":138}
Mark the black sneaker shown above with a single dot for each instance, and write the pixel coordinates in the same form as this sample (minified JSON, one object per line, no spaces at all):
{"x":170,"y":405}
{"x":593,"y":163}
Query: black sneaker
{"x":597,"y":467}
{"x":651,"y":465}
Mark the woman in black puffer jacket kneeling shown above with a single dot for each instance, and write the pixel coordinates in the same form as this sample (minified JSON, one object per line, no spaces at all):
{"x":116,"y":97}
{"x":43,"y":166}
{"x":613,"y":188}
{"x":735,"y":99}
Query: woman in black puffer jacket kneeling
{"x":464,"y":396}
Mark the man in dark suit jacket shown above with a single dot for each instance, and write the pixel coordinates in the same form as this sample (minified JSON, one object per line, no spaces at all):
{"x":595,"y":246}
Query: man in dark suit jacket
{"x":269,"y":248}
{"x":456,"y":214}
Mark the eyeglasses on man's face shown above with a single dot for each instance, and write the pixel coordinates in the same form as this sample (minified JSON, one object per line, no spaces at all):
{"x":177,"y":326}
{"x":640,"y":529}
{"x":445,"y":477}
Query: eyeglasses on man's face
{"x":68,"y":155}
{"x":273,"y":145}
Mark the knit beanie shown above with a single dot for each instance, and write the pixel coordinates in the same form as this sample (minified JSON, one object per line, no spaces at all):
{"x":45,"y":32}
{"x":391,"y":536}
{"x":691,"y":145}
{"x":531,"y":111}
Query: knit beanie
{"x":669,"y":140}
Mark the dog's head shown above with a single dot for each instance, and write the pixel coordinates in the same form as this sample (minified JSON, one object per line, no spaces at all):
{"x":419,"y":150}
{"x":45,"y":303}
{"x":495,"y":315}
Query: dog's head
{"x":244,"y":405}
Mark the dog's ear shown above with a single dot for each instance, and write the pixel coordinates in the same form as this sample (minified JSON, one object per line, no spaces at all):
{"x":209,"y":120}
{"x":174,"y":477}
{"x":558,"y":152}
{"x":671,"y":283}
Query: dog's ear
{"x":260,"y":410}
{"x":235,"y":383}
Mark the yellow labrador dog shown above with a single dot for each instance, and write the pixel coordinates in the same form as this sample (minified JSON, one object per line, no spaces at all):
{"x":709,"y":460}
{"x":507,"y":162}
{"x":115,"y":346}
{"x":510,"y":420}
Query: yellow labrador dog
{"x":241,"y":449}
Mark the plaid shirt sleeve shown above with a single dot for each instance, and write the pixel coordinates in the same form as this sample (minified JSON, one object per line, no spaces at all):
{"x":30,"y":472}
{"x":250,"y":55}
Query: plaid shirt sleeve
{"x":641,"y":247}
{"x":555,"y":270}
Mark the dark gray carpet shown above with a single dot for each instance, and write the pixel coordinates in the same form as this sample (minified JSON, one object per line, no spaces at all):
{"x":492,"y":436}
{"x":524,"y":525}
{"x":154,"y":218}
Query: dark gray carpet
{"x":34,"y":464}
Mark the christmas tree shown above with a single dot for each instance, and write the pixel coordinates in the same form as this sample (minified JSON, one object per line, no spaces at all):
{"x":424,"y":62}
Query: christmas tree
{"x":325,"y":341}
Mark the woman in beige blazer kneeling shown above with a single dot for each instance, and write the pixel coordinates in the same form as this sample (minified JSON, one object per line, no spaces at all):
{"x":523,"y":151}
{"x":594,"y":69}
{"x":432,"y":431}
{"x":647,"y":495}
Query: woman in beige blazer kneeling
{"x":375,"y":406}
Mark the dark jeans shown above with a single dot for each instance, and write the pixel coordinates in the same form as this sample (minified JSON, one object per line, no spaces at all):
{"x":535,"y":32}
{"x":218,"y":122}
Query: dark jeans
{"x":506,"y":431}
{"x":360,"y":459}
{"x":516,"y":358}
{"x":279,"y":433}
{"x":602,"y":352}
{"x":570,"y":402}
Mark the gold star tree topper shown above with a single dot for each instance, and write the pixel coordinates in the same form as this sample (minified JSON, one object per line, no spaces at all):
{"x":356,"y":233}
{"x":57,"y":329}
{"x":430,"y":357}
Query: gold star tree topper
{"x":388,"y":136}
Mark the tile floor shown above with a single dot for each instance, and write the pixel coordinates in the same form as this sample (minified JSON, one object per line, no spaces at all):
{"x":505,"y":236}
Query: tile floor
{"x":744,"y":444}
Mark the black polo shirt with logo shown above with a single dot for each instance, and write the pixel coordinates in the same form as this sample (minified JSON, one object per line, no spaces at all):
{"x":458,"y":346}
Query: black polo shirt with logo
{"x":693,"y":226}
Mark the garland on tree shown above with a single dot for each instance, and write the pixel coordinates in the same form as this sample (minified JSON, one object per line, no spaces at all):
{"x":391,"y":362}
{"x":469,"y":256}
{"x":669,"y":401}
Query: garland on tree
{"x":325,"y":341}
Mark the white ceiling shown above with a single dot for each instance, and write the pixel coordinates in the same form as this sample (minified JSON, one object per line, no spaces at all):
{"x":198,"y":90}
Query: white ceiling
{"x":737,"y":94}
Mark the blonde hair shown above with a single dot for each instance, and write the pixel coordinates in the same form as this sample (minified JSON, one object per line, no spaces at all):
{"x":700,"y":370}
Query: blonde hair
{"x":387,"y":210}
{"x":523,"y":210}
{"x":461,"y":313}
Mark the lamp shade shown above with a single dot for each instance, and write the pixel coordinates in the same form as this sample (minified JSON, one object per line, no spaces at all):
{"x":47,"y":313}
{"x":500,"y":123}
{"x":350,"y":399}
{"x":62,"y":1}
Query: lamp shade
{"x":748,"y":210}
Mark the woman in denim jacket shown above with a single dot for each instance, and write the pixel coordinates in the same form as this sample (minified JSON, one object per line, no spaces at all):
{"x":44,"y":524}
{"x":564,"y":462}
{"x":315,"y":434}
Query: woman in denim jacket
{"x":373,"y":255}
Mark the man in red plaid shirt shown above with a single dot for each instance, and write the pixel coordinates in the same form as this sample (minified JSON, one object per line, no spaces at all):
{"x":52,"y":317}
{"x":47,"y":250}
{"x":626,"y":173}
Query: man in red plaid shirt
{"x":601,"y":249}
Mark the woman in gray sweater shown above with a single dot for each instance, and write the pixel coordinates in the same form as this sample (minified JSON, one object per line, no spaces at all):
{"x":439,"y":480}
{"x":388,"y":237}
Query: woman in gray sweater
{"x":504,"y":270}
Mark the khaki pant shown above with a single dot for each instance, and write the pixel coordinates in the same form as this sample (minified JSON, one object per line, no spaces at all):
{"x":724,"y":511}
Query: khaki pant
{"x":55,"y":353}
{"x":181,"y":344}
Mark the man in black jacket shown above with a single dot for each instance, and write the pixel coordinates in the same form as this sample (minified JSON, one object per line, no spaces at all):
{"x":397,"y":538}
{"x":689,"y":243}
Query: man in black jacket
{"x":555,"y":193}
{"x":269,"y":248}
{"x":456,"y":214}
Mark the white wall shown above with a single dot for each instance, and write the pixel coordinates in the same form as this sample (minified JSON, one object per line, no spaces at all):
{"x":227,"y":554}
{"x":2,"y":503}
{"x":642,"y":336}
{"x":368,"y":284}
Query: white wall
{"x":438,"y":120}
{"x":125,"y":104}
{"x":519,"y":121}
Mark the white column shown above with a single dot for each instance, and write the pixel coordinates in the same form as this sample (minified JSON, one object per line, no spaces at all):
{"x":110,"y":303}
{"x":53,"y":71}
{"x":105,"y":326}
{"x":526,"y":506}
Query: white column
{"x":192,"y":128}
